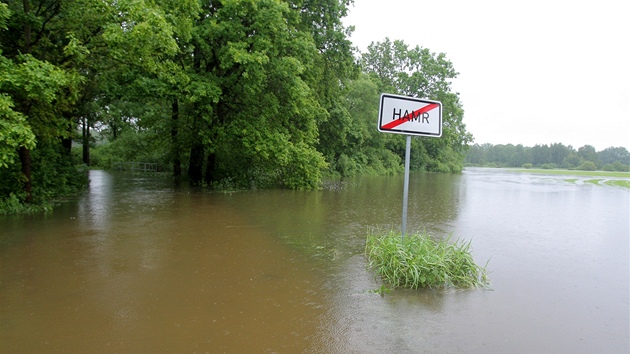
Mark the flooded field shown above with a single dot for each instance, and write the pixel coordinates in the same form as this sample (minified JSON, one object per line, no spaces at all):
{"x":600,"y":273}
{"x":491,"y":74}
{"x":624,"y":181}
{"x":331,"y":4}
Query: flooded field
{"x":137,"y":265}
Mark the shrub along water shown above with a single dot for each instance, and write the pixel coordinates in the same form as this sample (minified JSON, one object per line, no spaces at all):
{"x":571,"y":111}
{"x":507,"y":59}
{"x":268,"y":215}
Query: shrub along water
{"x":418,"y":260}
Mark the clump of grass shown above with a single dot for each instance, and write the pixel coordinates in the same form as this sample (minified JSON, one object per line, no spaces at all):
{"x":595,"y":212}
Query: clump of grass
{"x":382,"y":290}
{"x":618,"y":183}
{"x":421,"y":261}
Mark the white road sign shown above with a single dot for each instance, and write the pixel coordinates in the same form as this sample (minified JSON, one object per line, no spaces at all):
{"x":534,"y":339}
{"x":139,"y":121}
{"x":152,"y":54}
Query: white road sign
{"x":410,"y":116}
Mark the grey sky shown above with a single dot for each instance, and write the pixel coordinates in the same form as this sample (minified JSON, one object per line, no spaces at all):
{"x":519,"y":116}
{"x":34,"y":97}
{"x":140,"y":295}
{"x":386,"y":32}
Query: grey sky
{"x":534,"y":72}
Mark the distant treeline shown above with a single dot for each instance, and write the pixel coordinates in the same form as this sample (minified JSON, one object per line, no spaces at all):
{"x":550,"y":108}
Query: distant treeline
{"x":549,"y":156}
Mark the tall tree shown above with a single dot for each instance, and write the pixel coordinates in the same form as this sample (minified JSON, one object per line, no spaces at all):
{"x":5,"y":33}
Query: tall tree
{"x":613,"y":154}
{"x":57,"y":56}
{"x":333,"y":66}
{"x":417,"y":72}
{"x":558,"y":153}
{"x":15,"y":132}
{"x":253,"y":115}
{"x":588,"y":153}
{"x":34,"y":80}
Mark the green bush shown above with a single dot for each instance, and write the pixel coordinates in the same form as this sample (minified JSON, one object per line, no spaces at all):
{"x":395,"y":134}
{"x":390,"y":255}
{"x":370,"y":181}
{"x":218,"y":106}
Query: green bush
{"x":55,"y":175}
{"x":587,"y":166}
{"x":421,"y":261}
{"x":527,"y":165}
{"x":440,"y":167}
{"x":347,"y":166}
{"x":618,"y":166}
{"x":130,"y":147}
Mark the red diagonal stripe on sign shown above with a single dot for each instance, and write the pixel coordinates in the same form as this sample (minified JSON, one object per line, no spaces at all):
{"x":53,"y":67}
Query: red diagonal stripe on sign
{"x":405,"y":118}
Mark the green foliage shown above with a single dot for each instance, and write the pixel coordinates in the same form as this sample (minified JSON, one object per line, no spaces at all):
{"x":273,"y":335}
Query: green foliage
{"x":612,"y":174}
{"x":417,"y":72}
{"x":261,"y":129}
{"x":572,"y":160}
{"x":14,"y":132}
{"x":548,"y":166}
{"x":623,"y":183}
{"x":37,"y":89}
{"x":588,"y":154}
{"x":353,"y":146}
{"x":305,"y":170}
{"x":245,"y":93}
{"x":130,"y":146}
{"x":4,"y":15}
{"x":546,"y":156}
{"x":57,"y":176}
{"x":383,"y":290}
{"x":618,"y":166}
{"x":34,"y":80}
{"x":613,"y":154}
{"x":14,"y":204}
{"x":141,"y":36}
{"x":587,"y":166}
{"x":418,"y":260}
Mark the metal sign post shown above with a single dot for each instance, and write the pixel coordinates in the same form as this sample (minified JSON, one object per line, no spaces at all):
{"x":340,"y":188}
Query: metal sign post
{"x":409,"y":116}
{"x":406,"y":187}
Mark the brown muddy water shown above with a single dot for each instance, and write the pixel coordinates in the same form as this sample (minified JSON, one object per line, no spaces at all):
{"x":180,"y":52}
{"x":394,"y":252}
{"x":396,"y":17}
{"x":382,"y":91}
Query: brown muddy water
{"x":136,"y":265}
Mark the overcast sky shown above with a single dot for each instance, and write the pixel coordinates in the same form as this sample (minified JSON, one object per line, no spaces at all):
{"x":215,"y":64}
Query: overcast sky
{"x":530,"y":72}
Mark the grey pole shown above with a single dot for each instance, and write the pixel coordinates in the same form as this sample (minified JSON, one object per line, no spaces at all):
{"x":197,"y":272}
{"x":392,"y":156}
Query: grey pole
{"x":406,"y":187}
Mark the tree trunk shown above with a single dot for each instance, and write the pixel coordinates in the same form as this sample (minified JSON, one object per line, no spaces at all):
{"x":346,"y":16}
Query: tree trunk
{"x":195,"y":166}
{"x":25,"y":160}
{"x":25,"y":154}
{"x":27,"y":27}
{"x":210,"y":171}
{"x":177,"y":163}
{"x":66,"y":142}
{"x":86,"y":141}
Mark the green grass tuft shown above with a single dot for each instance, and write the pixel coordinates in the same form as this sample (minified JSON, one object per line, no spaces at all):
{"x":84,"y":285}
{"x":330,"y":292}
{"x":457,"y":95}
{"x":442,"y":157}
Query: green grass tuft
{"x":420,"y":261}
{"x":624,"y":183}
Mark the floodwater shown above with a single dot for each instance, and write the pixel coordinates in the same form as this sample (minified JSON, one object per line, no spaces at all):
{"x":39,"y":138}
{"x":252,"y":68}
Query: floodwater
{"x":137,"y":265}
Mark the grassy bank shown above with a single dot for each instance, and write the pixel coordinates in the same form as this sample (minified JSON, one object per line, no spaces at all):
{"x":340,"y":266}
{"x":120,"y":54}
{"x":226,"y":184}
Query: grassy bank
{"x":573,"y":172}
{"x":418,"y":260}
{"x":608,"y":178}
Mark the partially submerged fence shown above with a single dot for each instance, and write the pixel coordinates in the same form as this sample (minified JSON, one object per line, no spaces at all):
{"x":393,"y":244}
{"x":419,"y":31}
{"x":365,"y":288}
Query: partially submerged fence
{"x":136,"y":166}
